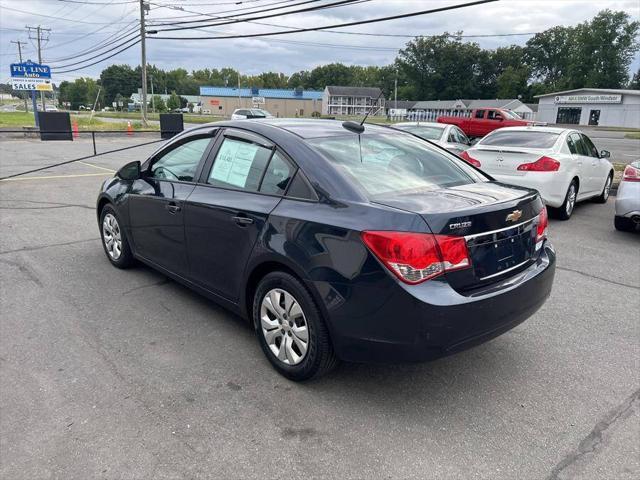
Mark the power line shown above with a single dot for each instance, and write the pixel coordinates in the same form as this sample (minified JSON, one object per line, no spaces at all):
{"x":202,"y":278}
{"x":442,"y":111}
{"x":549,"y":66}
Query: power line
{"x":58,"y":18}
{"x":99,"y":46}
{"x":336,"y":4}
{"x":131,"y":36}
{"x":338,"y":25}
{"x":99,"y":61}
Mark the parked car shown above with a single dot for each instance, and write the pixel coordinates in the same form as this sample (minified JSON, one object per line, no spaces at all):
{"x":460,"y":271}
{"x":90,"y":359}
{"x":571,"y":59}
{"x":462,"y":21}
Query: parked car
{"x":628,"y":199}
{"x":376,"y":246}
{"x":447,"y":136}
{"x":562,"y":164}
{"x":485,"y":120}
{"x":244,"y":113}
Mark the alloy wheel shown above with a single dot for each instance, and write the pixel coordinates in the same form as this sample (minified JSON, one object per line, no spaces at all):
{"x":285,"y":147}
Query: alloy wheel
{"x":284,"y":326}
{"x":607,"y":189}
{"x":111,"y":236}
{"x":571,"y":199}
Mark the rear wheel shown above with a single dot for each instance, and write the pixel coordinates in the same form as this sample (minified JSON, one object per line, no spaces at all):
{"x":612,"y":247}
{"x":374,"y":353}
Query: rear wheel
{"x":623,"y":224}
{"x":290,"y":328}
{"x":604,"y":196}
{"x":566,"y":209}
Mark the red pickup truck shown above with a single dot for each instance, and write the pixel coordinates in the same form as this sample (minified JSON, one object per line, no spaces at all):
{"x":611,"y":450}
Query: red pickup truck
{"x":485,"y":120}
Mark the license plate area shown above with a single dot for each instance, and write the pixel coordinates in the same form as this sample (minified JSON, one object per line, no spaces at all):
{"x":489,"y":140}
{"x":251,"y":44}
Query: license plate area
{"x":500,"y":251}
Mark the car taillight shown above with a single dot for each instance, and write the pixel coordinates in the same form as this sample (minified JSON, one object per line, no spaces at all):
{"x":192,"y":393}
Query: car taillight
{"x":631,"y":174}
{"x":469,"y":159}
{"x":543,"y":164}
{"x":543,"y":223}
{"x":416,"y":257}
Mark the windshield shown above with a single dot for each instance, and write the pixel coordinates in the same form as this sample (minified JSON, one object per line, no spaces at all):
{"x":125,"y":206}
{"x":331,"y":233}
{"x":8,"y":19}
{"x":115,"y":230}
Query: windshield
{"x":428,"y":133}
{"x":511,"y":115}
{"x":394,"y":163}
{"x":520,"y":138}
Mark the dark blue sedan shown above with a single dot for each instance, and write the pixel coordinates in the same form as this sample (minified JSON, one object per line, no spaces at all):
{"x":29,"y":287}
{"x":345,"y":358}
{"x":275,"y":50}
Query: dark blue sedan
{"x":336,"y":244}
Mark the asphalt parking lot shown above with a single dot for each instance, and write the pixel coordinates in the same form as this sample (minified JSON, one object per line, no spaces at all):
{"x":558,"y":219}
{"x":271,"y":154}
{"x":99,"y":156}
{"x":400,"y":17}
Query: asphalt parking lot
{"x":125,"y":374}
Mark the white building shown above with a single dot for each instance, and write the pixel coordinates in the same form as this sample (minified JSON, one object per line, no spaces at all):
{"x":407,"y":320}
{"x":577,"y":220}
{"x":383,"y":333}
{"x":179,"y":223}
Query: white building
{"x":352,"y":101}
{"x":591,"y":106}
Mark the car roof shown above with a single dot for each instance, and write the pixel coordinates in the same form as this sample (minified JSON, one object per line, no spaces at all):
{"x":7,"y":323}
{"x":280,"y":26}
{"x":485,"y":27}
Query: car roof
{"x":421,"y":124}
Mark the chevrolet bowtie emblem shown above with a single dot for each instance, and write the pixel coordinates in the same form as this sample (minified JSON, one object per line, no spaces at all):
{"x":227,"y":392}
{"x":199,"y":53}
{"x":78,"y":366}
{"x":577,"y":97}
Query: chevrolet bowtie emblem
{"x":514,"y":216}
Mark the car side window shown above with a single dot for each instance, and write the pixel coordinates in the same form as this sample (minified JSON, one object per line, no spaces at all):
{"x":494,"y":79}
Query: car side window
{"x":479,"y":113}
{"x":591,"y":148}
{"x":581,"y":148}
{"x":278,"y":175}
{"x":571,"y":144}
{"x":494,"y":115}
{"x":181,"y":162}
{"x":452,"y":138}
{"x":239,"y":164}
{"x":462,"y":138}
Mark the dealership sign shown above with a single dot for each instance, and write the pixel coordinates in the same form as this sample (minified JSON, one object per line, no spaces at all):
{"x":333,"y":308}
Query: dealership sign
{"x":588,"y":99}
{"x":257,"y":100}
{"x":31,"y":76}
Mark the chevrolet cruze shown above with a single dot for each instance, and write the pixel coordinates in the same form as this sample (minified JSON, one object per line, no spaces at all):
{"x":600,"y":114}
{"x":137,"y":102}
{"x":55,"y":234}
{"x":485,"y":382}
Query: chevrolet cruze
{"x":336,"y":241}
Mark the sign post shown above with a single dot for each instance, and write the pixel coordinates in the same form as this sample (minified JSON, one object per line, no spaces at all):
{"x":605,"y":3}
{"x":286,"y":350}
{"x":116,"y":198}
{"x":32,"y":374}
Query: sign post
{"x":34,"y":77}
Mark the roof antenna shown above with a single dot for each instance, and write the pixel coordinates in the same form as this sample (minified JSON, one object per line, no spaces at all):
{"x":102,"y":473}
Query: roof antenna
{"x":356,"y":127}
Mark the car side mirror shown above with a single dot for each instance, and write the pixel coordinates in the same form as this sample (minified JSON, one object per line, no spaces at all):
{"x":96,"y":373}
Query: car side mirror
{"x":130,"y":171}
{"x":605,"y":154}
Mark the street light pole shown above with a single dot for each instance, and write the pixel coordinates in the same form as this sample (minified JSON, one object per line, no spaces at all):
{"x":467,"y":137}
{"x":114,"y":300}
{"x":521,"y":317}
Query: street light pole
{"x":143,"y":48}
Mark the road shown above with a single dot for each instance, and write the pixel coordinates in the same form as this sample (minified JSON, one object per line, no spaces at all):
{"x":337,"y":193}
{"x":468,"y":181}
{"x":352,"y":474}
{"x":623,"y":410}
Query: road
{"x":118,"y":374}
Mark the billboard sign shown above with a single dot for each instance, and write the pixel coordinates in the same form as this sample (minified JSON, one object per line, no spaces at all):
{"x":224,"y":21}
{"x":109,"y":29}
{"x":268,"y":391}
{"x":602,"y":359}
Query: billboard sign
{"x":31,"y":76}
{"x":588,"y":98}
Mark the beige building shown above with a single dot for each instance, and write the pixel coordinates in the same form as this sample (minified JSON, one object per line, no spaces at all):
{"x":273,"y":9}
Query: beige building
{"x":222,"y":101}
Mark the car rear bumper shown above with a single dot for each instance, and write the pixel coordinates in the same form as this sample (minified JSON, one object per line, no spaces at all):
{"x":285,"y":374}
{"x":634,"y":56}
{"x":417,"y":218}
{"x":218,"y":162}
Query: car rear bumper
{"x":431,"y":320}
{"x":628,"y":199}
{"x":551,"y":186}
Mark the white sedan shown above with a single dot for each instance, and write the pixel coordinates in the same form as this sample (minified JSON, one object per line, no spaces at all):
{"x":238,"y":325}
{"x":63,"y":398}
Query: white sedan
{"x":562,"y":164}
{"x":447,"y":136}
{"x":244,"y":113}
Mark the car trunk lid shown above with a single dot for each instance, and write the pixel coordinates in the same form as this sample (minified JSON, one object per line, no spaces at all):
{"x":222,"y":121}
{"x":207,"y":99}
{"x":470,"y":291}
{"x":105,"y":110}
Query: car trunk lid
{"x":499,"y":223}
{"x":505,"y":160}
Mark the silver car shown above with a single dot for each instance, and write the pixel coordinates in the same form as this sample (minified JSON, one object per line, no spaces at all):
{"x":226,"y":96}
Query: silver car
{"x":628,"y":199}
{"x":447,"y":136}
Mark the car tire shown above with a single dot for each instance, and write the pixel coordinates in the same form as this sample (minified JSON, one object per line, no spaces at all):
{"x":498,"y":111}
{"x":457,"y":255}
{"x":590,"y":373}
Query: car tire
{"x":284,"y":315}
{"x":565,"y":211}
{"x":606,"y":190}
{"x":623,"y":224}
{"x":114,"y":239}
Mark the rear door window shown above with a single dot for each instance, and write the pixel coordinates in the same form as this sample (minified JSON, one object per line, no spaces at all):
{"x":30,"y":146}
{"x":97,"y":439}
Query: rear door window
{"x":239,"y":164}
{"x":479,"y":113}
{"x":278,"y":175}
{"x":520,"y":138}
{"x":571,"y":144}
{"x":494,"y":115}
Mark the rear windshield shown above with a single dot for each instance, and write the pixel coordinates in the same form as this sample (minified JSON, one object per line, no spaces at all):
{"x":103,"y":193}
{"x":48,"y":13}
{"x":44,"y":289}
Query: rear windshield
{"x":520,"y":138}
{"x":384,"y":163}
{"x":428,"y":133}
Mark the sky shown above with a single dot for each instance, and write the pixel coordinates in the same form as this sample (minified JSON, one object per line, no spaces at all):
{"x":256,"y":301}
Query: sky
{"x":79,"y":25}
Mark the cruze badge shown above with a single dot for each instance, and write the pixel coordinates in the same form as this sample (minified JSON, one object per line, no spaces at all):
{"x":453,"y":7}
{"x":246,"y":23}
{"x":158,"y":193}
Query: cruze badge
{"x":453,"y":226}
{"x":514,"y":216}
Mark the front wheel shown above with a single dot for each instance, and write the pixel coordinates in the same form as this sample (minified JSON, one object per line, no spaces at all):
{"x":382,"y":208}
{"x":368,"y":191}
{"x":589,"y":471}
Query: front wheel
{"x":604,"y":196}
{"x":566,"y":209}
{"x":114,"y":239}
{"x":290,"y":328}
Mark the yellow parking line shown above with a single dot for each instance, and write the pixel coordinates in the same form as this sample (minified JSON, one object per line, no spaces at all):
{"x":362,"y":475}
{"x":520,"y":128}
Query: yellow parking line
{"x":98,"y":167}
{"x":49,"y":177}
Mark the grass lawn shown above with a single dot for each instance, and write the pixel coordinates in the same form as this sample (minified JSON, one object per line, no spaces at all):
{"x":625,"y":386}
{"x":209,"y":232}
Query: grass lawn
{"x":188,"y":118}
{"x":18,"y":120}
{"x":633,"y":135}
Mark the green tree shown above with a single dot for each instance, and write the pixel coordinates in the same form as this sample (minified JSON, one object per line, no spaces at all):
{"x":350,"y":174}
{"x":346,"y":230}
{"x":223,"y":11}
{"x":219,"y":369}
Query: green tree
{"x":512,"y":83}
{"x":82,"y":91}
{"x":173,"y":103}
{"x":120,"y":79}
{"x":159,"y":104}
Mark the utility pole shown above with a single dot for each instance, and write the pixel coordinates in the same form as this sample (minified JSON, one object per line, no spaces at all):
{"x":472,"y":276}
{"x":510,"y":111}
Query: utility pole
{"x":143,"y":48}
{"x":19,"y":43}
{"x":40,"y":32}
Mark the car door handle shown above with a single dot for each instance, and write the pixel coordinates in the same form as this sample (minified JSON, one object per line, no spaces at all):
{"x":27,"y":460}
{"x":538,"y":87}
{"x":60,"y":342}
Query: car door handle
{"x":242,"y":221}
{"x":172,"y":207}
